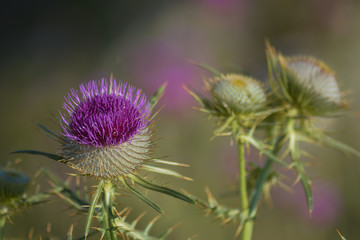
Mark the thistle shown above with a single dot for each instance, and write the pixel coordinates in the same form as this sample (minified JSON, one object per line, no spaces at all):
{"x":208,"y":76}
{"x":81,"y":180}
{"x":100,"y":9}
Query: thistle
{"x":237,"y":93}
{"x":304,"y":83}
{"x":107,"y":133}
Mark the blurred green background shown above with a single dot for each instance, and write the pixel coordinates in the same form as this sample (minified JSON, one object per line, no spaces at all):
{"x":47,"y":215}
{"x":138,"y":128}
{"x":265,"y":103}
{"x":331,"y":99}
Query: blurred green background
{"x":48,"y":47}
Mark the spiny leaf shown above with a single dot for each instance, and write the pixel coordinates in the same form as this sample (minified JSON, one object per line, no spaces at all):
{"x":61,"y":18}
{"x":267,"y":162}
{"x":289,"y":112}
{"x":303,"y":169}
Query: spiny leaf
{"x":49,"y":155}
{"x":142,"y":182}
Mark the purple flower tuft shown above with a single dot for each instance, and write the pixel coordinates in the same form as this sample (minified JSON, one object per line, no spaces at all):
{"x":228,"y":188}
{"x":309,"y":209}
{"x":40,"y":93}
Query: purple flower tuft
{"x":107,"y":131}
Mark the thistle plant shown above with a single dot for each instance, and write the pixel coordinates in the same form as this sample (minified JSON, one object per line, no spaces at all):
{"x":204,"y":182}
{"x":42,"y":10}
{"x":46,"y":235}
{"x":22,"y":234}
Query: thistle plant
{"x":107,"y":133}
{"x":301,"y":89}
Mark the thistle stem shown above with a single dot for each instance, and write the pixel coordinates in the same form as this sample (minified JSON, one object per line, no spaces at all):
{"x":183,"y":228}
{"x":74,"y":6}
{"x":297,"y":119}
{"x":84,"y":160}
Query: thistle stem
{"x":256,"y":194}
{"x":248,"y":226}
{"x":107,"y":210}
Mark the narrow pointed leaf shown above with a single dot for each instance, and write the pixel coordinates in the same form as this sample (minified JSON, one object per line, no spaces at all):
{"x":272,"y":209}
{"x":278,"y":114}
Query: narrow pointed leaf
{"x":48,"y":130}
{"x":170,"y":163}
{"x":207,"y":68}
{"x":48,"y":155}
{"x":261,"y":147}
{"x":164,"y":171}
{"x":195,"y":96}
{"x":157,"y":95}
{"x":141,"y":197}
{"x":306,"y":184}
{"x":332,"y":143}
{"x":92,"y":206}
{"x":142,"y":182}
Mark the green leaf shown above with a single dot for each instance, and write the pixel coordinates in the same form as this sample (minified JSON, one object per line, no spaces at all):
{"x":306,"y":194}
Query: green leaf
{"x":94,"y":201}
{"x":140,"y":196}
{"x":157,"y":95}
{"x":332,"y":143}
{"x":48,"y":131}
{"x":142,"y":182}
{"x":306,"y":184}
{"x":164,"y":171}
{"x":34,"y":152}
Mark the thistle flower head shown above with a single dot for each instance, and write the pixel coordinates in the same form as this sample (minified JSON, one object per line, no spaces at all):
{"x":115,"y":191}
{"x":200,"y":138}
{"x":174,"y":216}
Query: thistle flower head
{"x":12,"y":184}
{"x":305,"y":83}
{"x":237,"y":93}
{"x":106,"y":129}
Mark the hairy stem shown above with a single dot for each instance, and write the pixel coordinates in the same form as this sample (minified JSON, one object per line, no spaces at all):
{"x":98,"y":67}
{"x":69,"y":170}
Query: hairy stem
{"x":107,"y":208}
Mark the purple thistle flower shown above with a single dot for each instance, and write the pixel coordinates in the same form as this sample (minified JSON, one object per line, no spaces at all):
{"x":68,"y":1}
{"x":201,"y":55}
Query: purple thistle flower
{"x":107,"y":130}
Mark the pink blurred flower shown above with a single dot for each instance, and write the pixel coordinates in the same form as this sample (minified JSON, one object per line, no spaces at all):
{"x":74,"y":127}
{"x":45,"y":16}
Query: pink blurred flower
{"x":157,"y":62}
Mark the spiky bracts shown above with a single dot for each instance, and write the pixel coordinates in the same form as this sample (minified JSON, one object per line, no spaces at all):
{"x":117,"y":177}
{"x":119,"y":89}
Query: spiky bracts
{"x":304,"y":83}
{"x":107,"y":130}
{"x":237,"y":93}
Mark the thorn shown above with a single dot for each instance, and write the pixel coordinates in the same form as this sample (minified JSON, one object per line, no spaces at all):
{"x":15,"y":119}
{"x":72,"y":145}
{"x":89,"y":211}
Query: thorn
{"x":31,"y":233}
{"x":71,"y":229}
{"x":138,"y":219}
{"x":48,"y":227}
{"x":238,"y":231}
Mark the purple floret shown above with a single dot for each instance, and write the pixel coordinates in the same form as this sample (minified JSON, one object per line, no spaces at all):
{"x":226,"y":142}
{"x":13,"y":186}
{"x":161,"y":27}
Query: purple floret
{"x":106,"y":115}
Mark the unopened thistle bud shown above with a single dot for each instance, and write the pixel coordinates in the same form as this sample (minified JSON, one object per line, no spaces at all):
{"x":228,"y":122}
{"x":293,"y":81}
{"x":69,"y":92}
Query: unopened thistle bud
{"x":107,"y":129}
{"x":237,"y":93}
{"x":13,"y":184}
{"x":304,"y":82}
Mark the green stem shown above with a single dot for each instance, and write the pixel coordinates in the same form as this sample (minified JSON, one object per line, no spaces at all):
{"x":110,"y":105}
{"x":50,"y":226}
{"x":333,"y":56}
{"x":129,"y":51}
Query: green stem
{"x":248,"y":226}
{"x":108,"y":215}
{"x":256,"y":194}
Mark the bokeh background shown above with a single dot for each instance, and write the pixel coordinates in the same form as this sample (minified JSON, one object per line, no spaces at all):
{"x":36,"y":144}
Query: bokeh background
{"x":48,"y":47}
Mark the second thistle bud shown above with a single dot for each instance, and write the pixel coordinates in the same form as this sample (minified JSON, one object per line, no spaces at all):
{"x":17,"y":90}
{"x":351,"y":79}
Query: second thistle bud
{"x":237,"y":93}
{"x":305,"y":83}
{"x":13,"y":184}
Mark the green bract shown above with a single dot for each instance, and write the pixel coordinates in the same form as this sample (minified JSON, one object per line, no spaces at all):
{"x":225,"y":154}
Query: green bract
{"x":305,"y":83}
{"x":12,"y":184}
{"x":237,"y":93}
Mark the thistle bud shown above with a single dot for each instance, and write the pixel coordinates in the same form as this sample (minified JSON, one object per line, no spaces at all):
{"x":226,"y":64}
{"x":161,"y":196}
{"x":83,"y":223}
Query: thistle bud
{"x":12,"y":184}
{"x":237,"y":93}
{"x":305,"y":83}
